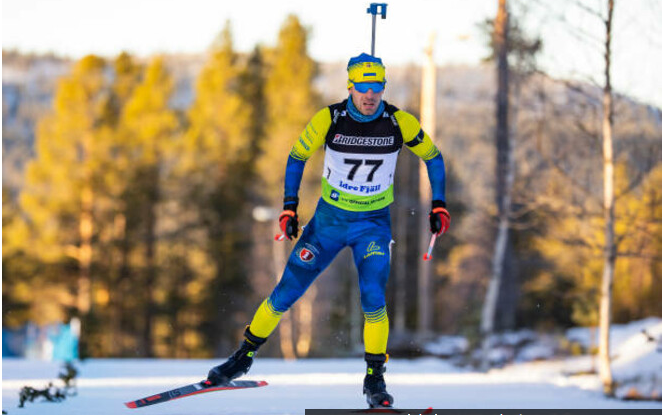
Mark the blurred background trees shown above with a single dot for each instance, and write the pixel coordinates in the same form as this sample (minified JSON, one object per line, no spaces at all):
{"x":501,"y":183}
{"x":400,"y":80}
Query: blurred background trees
{"x":152,"y":220}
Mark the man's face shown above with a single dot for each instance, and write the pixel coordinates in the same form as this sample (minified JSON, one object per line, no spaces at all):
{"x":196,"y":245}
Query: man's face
{"x":366,"y":102}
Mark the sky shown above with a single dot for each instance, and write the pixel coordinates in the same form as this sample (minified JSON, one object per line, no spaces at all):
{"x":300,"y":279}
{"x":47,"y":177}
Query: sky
{"x":340,"y":29}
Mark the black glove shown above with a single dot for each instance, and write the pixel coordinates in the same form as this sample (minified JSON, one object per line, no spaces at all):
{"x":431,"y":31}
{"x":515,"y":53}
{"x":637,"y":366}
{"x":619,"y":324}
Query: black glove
{"x":440,"y":219}
{"x":289,"y":218}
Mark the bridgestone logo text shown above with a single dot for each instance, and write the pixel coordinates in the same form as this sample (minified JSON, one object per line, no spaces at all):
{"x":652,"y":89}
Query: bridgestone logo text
{"x":363,"y":141}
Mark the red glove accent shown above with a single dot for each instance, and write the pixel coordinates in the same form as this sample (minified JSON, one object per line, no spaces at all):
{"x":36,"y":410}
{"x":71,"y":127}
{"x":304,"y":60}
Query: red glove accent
{"x":289,"y":223}
{"x":440,"y":220}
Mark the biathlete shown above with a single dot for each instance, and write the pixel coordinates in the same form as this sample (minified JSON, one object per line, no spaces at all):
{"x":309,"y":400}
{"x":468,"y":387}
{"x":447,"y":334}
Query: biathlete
{"x":362,"y":137}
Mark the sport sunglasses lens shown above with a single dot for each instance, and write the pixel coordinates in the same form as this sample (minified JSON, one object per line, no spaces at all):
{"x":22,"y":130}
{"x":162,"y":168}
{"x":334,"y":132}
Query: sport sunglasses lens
{"x":363,"y":87}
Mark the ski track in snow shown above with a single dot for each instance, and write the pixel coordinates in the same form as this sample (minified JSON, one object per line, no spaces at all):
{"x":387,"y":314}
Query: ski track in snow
{"x":105,"y":384}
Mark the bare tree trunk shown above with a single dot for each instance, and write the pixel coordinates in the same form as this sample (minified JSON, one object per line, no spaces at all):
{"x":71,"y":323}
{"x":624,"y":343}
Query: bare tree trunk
{"x":355,"y":310}
{"x":115,"y":289}
{"x":610,"y":247}
{"x":509,"y":288}
{"x":151,"y":267}
{"x":504,"y":173}
{"x":400,"y":306}
{"x":85,"y":252}
{"x":285,"y":329}
{"x":428,"y":98}
{"x":305,"y":323}
{"x":84,"y":297}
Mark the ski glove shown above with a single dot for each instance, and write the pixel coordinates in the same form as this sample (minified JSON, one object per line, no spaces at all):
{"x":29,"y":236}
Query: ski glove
{"x":440,"y":219}
{"x":289,"y":218}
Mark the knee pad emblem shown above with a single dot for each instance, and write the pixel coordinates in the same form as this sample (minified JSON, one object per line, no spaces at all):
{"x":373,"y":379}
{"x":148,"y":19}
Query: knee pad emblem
{"x":306,"y":255}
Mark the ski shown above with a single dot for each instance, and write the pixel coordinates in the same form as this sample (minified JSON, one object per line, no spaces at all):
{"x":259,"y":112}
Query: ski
{"x":389,"y":410}
{"x":193,"y":389}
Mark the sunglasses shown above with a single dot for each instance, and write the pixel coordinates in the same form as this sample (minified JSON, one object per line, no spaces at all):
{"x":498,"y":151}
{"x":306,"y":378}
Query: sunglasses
{"x":363,"y":87}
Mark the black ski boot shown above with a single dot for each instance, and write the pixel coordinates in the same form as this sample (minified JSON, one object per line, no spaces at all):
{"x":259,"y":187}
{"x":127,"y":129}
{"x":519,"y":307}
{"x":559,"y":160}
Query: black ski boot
{"x":238,"y":364}
{"x":374,"y":387}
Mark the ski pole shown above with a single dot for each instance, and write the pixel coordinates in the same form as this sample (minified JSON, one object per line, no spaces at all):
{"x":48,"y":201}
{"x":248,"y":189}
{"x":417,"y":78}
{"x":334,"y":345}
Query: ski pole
{"x":280,"y":237}
{"x":374,"y":9}
{"x":428,"y":255}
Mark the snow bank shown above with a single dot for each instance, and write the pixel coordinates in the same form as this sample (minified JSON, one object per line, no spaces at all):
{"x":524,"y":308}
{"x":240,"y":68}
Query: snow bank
{"x":636,"y":362}
{"x":635,"y":354}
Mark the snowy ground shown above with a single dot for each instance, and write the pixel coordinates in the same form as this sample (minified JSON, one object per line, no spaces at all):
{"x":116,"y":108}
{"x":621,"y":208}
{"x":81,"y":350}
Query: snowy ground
{"x":104,"y":384}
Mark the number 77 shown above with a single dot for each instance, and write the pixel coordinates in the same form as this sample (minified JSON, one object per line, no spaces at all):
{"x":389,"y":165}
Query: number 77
{"x":356,"y":163}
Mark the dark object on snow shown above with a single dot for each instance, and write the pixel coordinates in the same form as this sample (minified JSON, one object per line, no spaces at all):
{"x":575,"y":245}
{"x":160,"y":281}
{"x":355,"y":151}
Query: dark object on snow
{"x":52,"y":393}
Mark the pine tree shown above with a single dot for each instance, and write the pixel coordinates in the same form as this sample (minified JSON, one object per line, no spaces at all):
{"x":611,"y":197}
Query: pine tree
{"x":122,"y":216}
{"x":127,"y":76}
{"x":291,"y":101}
{"x":215,"y":164}
{"x":219,"y":117}
{"x":60,"y":181}
{"x":149,"y":126}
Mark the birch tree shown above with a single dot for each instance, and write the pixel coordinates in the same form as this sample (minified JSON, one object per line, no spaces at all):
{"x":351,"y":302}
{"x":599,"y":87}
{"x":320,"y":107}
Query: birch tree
{"x":610,"y":245}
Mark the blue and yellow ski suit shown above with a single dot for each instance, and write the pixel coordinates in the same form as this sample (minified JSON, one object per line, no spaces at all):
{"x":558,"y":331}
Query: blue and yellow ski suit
{"x":357,"y":189}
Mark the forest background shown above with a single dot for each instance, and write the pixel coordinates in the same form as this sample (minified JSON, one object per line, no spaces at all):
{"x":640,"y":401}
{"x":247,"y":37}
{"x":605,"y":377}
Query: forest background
{"x":140,"y":195}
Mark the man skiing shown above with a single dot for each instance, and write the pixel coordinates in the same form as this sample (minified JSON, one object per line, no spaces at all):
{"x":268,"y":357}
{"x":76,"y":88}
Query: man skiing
{"x":362,"y":137}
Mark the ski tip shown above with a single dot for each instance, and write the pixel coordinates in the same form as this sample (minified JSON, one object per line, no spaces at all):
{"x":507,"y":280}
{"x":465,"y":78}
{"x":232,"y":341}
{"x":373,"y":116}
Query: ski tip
{"x":262,"y":383}
{"x":426,"y":257}
{"x":130,"y":404}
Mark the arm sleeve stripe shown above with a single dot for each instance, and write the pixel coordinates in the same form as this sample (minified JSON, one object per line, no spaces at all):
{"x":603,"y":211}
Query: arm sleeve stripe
{"x":417,"y":140}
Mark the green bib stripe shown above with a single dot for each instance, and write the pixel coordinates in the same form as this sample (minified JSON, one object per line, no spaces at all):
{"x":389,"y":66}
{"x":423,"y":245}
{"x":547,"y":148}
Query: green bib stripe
{"x":347,"y":201}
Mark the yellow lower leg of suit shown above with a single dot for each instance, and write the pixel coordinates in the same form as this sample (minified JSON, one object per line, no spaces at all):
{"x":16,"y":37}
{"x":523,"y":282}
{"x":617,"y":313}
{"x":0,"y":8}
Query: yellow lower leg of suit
{"x":265,"y":320}
{"x":375,"y":330}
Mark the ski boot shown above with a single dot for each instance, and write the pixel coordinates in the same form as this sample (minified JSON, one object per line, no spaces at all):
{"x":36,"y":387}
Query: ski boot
{"x":238,"y":364}
{"x":374,"y":387}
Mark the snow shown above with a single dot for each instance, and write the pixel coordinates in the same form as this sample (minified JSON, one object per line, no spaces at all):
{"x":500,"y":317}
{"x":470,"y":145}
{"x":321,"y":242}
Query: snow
{"x":446,"y":346}
{"x":105,"y":384}
{"x":620,"y":332}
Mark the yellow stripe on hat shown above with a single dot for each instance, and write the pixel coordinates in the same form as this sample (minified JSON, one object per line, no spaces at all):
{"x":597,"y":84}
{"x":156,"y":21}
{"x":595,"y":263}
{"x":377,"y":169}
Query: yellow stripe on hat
{"x":366,"y":72}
